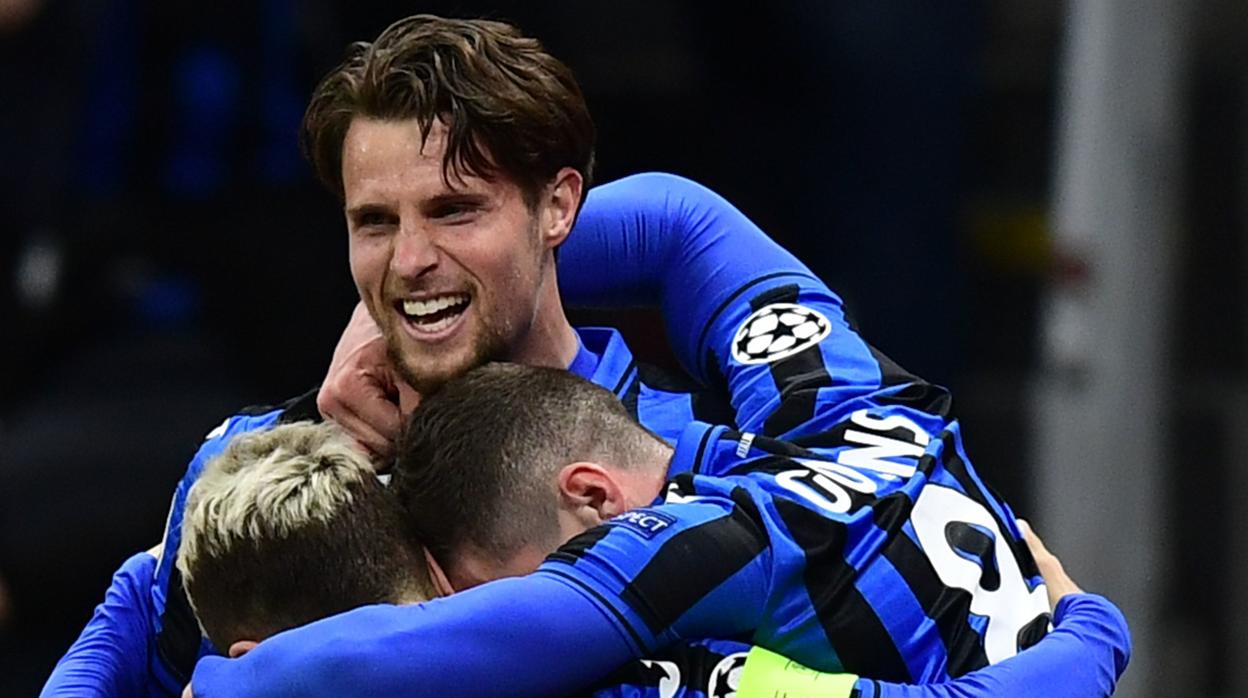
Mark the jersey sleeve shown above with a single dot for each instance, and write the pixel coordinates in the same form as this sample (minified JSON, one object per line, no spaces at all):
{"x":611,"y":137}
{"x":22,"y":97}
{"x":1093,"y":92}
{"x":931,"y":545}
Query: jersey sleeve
{"x":675,"y":572}
{"x":1083,"y":657}
{"x":525,"y":636}
{"x":740,"y":310}
{"x":108,"y":657}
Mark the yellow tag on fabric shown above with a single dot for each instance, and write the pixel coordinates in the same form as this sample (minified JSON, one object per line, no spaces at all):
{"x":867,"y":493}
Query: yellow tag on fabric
{"x":769,"y":675}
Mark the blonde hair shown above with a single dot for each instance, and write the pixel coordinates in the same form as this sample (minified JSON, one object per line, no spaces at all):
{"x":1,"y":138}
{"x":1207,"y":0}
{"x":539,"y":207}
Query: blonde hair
{"x":289,"y":525}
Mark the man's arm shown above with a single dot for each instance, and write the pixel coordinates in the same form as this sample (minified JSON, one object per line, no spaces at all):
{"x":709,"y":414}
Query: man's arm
{"x":1082,"y":658}
{"x":589,"y":609}
{"x":109,"y":656}
{"x":740,"y":310}
{"x":499,"y":638}
{"x":566,"y":626}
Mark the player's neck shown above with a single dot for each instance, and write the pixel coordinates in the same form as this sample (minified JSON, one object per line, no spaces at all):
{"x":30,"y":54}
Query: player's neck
{"x":550,"y":341}
{"x":652,"y":476}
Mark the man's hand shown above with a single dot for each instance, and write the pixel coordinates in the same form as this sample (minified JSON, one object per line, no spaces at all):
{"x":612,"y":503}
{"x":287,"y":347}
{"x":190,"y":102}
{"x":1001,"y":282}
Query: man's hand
{"x":362,"y":392}
{"x":1056,"y":580}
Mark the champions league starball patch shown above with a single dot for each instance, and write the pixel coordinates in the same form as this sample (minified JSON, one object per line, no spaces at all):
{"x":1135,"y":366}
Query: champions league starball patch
{"x":778,"y":331}
{"x":726,"y":677}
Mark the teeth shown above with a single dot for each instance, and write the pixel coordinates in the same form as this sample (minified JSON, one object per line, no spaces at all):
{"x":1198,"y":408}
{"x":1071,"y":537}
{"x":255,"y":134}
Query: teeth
{"x":418,"y":309}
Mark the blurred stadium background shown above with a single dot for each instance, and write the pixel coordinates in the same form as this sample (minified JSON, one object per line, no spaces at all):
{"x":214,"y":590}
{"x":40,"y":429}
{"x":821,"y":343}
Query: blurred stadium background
{"x":1040,"y":204}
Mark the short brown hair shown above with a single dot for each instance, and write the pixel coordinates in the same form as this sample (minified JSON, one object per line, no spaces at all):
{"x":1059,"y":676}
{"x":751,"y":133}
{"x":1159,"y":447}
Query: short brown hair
{"x":288,"y":526}
{"x":478,"y":461}
{"x":508,"y":105}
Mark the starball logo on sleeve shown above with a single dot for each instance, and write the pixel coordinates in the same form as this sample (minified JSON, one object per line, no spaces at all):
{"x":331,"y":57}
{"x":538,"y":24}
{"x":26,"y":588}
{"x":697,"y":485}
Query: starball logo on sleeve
{"x":778,"y":331}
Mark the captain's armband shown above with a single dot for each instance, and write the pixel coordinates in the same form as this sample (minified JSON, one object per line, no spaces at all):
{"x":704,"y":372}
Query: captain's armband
{"x":767,"y":674}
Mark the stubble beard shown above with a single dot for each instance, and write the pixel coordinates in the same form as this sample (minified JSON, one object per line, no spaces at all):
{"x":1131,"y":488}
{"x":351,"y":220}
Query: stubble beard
{"x":427,"y":377}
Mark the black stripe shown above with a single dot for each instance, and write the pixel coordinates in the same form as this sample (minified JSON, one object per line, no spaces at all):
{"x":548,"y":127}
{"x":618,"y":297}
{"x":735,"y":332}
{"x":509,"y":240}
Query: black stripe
{"x":919,"y":395}
{"x":302,"y":408}
{"x":575,"y":549}
{"x":735,"y":294}
{"x":891,"y":373}
{"x":787,"y":293}
{"x":631,"y":397}
{"x":623,"y":622}
{"x":701,"y":452}
{"x":667,"y":380}
{"x":690,"y":565}
{"x":179,"y":639}
{"x":797,"y":378}
{"x":852,"y":626}
{"x":624,"y":377}
{"x":713,"y":404}
{"x":948,"y":608}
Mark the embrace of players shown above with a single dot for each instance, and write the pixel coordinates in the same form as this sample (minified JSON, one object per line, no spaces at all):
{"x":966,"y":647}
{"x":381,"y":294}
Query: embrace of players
{"x":800,"y":517}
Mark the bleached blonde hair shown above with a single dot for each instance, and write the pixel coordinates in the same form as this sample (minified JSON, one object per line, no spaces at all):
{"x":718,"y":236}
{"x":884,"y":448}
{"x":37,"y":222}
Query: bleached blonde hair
{"x":288,"y":525}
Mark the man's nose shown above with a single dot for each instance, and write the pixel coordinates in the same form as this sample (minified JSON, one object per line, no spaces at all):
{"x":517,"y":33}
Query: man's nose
{"x":415,"y":252}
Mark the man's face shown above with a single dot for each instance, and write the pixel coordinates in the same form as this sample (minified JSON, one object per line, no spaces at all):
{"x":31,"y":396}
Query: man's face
{"x":452,"y":275}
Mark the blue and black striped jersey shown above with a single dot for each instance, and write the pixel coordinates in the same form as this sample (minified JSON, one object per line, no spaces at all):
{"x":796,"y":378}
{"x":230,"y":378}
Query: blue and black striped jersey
{"x":863,"y":541}
{"x":757,"y":537}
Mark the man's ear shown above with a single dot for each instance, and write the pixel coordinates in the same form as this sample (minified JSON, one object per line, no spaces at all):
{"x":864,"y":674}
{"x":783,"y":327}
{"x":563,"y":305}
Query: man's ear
{"x":437,"y":575}
{"x":241,"y":647}
{"x":562,"y":197}
{"x":590,"y":492}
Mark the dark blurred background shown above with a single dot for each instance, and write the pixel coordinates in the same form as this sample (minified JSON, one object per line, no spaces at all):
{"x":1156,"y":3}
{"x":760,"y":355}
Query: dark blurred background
{"x":1040,"y":204}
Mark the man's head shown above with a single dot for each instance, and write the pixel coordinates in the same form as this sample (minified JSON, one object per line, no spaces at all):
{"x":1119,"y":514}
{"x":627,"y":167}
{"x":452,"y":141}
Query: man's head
{"x":507,"y":462}
{"x":462,"y":151}
{"x":288,"y":526}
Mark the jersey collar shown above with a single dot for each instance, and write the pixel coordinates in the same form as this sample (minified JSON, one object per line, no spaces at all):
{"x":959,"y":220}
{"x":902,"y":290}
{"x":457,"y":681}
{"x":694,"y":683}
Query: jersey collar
{"x":693,"y":446}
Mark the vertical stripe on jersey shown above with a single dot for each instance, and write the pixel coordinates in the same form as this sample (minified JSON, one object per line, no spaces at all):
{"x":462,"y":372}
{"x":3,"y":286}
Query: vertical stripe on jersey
{"x":693,"y":563}
{"x":797,"y":377}
{"x":949,"y":608}
{"x":713,"y":404}
{"x":630,"y":398}
{"x":851,"y":625}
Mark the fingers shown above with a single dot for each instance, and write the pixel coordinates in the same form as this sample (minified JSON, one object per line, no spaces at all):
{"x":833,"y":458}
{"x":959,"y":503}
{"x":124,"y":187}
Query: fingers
{"x":359,"y":393}
{"x":378,"y":444}
{"x":1057,"y":582}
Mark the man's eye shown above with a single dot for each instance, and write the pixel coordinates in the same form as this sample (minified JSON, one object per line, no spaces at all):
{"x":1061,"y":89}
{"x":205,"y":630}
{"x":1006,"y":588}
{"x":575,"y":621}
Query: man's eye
{"x":372,"y":219}
{"x":453,"y":211}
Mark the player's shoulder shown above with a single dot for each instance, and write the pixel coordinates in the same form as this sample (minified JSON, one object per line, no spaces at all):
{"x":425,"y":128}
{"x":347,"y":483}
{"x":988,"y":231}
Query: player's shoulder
{"x":250,"y":418}
{"x":299,"y":408}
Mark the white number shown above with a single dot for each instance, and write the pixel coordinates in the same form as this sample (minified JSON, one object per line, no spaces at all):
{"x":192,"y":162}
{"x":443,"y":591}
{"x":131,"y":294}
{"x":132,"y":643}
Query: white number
{"x":1011,"y":606}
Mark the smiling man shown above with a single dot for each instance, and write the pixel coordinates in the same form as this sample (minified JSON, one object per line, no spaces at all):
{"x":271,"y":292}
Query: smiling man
{"x":454,"y":264}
